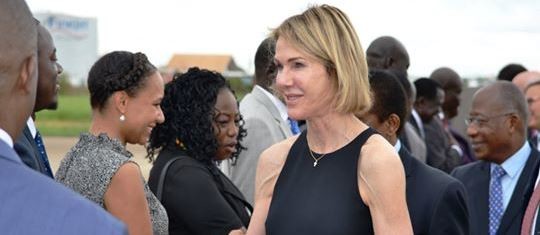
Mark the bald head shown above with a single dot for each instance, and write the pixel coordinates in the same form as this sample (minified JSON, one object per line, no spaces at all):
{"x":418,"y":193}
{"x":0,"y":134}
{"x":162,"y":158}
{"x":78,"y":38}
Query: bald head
{"x":388,"y":53}
{"x":452,"y":86}
{"x":503,"y":97}
{"x":446,"y":77}
{"x":525,"y":78}
{"x":498,"y":121}
{"x":18,"y":65}
{"x":18,"y":40}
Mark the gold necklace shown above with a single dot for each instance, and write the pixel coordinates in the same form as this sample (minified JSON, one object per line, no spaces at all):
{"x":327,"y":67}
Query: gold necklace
{"x":315,"y":159}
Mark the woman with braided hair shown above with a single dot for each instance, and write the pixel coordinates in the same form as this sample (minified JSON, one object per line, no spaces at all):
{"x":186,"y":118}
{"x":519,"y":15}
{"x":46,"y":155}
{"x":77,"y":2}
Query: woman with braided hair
{"x":125,"y":95}
{"x":203,"y":127}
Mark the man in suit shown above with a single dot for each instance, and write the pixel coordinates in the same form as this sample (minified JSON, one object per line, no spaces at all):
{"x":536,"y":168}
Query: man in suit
{"x":32,"y":203}
{"x":266,"y":120}
{"x":436,"y":201}
{"x":29,"y":145}
{"x":388,"y":53}
{"x":451,"y":83}
{"x":500,"y":183}
{"x":532,"y":95}
{"x":429,"y":99}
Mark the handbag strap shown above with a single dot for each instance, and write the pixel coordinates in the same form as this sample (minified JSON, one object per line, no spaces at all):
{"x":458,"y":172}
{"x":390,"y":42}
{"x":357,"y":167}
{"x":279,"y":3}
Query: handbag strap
{"x":161,"y":181}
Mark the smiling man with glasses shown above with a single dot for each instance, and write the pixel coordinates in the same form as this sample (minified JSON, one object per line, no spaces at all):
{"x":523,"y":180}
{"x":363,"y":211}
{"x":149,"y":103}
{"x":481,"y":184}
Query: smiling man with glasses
{"x":499,"y":184}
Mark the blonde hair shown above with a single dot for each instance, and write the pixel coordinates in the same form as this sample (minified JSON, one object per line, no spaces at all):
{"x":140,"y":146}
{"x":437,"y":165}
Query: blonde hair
{"x":326,"y":33}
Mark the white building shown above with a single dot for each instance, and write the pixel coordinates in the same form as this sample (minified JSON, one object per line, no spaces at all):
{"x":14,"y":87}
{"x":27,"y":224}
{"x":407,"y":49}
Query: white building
{"x":76,"y":43}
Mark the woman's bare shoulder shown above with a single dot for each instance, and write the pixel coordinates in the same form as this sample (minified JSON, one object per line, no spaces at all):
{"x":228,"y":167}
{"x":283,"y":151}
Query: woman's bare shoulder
{"x":276,"y":154}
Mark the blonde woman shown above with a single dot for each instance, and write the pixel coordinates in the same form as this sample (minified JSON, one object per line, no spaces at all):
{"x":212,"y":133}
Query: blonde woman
{"x":338,"y":176}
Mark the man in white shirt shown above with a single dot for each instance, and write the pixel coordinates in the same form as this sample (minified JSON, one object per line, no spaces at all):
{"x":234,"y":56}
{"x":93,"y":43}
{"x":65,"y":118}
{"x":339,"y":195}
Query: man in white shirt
{"x":29,"y":146}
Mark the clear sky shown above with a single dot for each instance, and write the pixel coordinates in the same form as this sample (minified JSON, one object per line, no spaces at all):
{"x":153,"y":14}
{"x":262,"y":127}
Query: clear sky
{"x":476,"y":38}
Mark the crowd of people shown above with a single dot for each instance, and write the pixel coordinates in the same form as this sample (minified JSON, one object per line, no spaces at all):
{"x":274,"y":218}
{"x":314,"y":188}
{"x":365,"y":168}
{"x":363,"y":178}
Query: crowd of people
{"x":330,"y":140}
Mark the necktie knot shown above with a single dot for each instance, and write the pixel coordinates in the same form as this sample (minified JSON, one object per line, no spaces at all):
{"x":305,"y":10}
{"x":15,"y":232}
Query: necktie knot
{"x":498,"y":172}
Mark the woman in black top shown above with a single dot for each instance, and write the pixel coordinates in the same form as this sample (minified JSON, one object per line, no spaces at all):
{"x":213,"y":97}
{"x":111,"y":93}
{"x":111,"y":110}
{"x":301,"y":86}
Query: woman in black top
{"x":203,"y":126}
{"x":337,"y":177}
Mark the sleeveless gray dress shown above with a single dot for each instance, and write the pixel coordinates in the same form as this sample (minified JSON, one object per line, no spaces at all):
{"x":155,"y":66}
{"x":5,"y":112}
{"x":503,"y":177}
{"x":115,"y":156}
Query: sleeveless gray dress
{"x":89,"y":167}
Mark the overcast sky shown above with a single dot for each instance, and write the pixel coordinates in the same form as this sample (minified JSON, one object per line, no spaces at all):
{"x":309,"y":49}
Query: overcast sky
{"x":476,"y":38}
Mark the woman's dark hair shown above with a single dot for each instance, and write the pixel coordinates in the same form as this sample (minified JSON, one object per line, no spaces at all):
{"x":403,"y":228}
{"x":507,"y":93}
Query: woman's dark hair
{"x":188,"y":107}
{"x":117,"y":71}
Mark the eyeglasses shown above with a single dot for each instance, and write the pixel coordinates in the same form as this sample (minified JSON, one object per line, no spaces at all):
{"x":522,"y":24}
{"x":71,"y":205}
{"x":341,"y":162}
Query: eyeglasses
{"x":483,"y":120}
{"x":532,"y":100}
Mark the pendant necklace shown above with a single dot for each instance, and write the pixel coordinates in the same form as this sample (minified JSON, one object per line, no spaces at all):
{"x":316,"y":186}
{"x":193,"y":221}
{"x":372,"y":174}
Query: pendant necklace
{"x":315,"y":159}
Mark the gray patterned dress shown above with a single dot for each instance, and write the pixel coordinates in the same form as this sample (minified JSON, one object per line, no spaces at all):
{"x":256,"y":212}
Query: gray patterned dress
{"x":89,"y":167}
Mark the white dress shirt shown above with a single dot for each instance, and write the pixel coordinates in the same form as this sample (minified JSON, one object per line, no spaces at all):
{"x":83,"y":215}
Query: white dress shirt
{"x":6,"y":138}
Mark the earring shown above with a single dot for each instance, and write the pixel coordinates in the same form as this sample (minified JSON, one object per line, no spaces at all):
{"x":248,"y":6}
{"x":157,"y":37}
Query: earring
{"x":180,"y":144}
{"x":122,"y":118}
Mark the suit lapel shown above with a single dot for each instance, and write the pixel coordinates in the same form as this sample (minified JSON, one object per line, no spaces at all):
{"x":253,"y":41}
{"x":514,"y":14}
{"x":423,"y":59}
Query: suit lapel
{"x":266,"y":102}
{"x":522,"y":193}
{"x":37,"y":156}
{"x":480,"y":197}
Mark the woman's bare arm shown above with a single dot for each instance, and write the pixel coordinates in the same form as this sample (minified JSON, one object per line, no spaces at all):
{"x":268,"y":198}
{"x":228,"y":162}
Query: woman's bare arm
{"x":268,"y":169}
{"x":381,"y":181}
{"x":125,"y":199}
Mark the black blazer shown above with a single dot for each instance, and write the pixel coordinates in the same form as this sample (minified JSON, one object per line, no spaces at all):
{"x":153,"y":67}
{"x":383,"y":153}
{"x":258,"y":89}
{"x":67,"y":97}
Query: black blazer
{"x":26,"y":148}
{"x":476,"y":176}
{"x":436,"y":201}
{"x":194,"y":201}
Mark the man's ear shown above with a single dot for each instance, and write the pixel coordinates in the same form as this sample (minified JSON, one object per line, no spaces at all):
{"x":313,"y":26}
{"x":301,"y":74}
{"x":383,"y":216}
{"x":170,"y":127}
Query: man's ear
{"x":27,"y":79}
{"x":513,"y":121}
{"x":392,"y":123}
{"x":120,"y":101}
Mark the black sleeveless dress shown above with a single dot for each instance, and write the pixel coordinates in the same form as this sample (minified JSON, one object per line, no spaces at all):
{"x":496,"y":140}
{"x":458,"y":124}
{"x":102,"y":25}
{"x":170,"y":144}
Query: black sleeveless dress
{"x":323,"y":199}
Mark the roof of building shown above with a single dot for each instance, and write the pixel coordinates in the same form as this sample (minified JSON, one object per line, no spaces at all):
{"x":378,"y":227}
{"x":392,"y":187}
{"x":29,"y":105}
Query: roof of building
{"x":219,"y":63}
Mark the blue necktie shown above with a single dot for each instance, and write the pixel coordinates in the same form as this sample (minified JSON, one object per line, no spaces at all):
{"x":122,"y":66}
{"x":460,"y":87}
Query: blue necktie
{"x":43,"y":154}
{"x":294,"y":126}
{"x":495,"y":199}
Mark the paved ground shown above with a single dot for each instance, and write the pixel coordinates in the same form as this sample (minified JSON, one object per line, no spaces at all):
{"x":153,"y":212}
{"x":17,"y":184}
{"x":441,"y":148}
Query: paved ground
{"x":57,"y":147}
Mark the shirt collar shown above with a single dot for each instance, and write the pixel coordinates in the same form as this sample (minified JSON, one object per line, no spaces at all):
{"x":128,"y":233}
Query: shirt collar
{"x":516,"y":162}
{"x":418,"y":120}
{"x":32,"y":127}
{"x":6,"y":138}
{"x":397,"y":146}
{"x":282,"y":109}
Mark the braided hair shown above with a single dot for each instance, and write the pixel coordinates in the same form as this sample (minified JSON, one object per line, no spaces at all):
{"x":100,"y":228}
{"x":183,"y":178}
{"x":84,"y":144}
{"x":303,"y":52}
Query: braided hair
{"x":117,"y":71}
{"x":188,"y":105}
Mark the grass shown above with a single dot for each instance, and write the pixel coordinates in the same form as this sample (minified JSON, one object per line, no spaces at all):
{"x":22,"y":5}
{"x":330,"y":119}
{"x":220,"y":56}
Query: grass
{"x":72,"y":116}
{"x":70,"y":119}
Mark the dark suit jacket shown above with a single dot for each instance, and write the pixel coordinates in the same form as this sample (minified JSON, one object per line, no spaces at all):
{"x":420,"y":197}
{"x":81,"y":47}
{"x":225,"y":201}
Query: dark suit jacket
{"x":475,"y":176}
{"x":26,"y":148}
{"x":436,"y":201}
{"x":440,"y":153}
{"x":194,"y":201}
